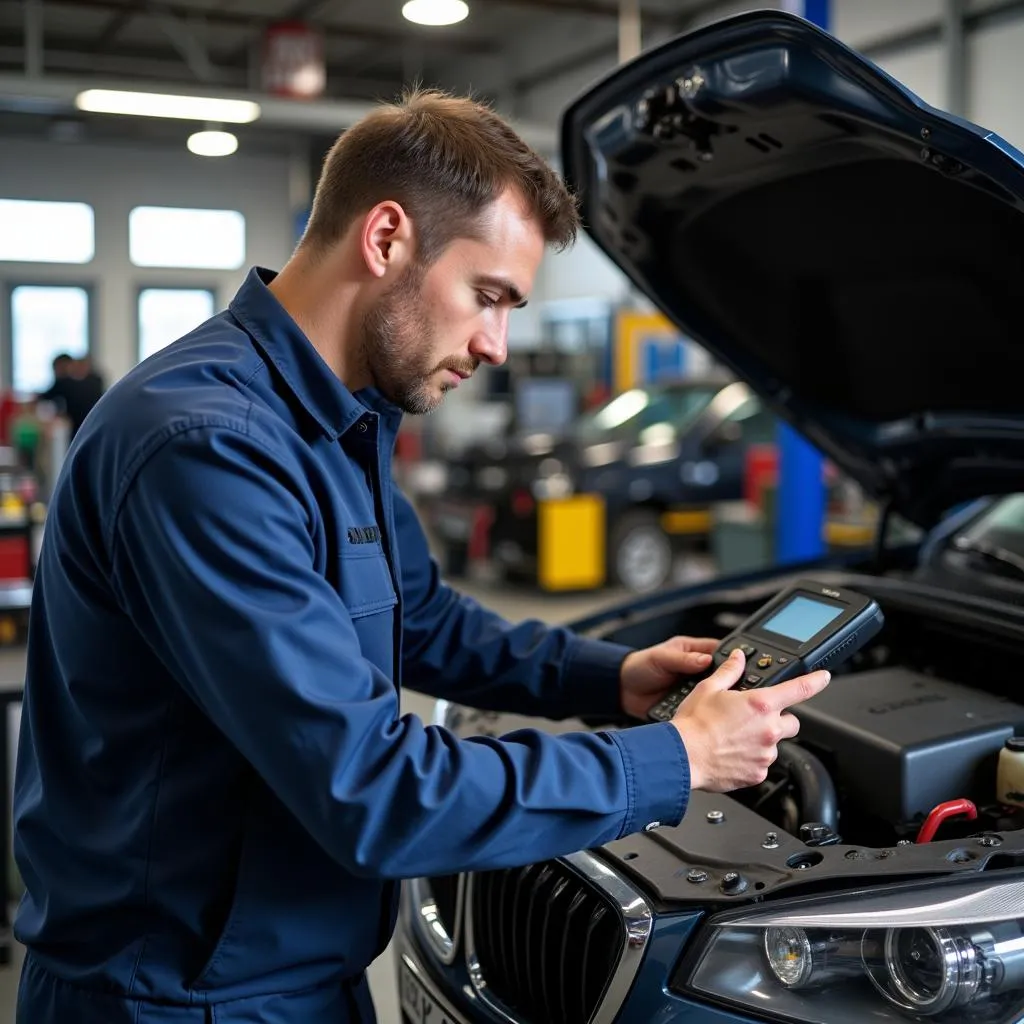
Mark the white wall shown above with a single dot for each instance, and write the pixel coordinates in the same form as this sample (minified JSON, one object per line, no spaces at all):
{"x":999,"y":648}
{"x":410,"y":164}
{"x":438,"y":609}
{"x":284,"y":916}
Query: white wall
{"x":114,"y":179}
{"x":860,"y":22}
{"x":581,"y":273}
{"x":995,"y":80}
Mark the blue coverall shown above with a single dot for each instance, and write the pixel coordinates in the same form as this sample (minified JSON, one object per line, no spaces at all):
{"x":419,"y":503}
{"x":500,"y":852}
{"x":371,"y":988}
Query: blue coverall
{"x":215,"y":794}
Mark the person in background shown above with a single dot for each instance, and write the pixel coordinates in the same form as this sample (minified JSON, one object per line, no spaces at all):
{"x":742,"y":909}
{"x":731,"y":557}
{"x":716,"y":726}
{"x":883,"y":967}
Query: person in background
{"x":90,"y":386}
{"x":57,"y":392}
{"x":76,"y":388}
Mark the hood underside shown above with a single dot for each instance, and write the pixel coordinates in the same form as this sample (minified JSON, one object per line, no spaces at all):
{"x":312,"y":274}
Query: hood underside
{"x":854,"y":254}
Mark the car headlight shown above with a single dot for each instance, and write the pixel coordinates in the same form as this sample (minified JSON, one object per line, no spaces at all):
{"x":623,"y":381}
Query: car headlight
{"x":949,"y":952}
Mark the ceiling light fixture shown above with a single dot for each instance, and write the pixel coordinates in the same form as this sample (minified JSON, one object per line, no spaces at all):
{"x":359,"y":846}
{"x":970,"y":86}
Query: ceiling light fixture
{"x":212,"y":143}
{"x":155,"y":104}
{"x":435,"y":12}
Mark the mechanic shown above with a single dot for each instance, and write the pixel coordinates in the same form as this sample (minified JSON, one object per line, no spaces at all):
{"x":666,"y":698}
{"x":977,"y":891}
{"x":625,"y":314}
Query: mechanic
{"x":215,"y":792}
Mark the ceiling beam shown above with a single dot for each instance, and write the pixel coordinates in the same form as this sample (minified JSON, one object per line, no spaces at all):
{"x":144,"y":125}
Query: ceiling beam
{"x":110,"y":31}
{"x":933,"y":32}
{"x":150,"y":64}
{"x":143,"y":63}
{"x":33,"y":29}
{"x":189,"y":46}
{"x":590,"y":8}
{"x":299,"y":11}
{"x":458,"y":42}
{"x":607,"y":52}
{"x":55,"y":95}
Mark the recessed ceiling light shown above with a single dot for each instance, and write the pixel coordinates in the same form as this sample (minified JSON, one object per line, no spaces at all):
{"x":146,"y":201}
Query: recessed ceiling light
{"x":155,"y":104}
{"x":212,"y":143}
{"x":435,"y":12}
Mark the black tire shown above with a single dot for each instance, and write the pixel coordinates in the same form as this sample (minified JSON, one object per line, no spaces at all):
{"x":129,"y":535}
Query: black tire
{"x":640,"y":554}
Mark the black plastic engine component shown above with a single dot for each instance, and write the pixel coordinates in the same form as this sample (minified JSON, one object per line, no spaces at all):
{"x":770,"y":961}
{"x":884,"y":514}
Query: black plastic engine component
{"x":899,"y":742}
{"x":817,"y":792}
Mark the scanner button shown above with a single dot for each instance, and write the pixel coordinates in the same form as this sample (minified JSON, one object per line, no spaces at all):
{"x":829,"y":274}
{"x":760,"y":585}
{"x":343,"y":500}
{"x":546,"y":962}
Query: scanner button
{"x":782,"y":660}
{"x":765,"y":661}
{"x":747,"y":650}
{"x":749,"y":682}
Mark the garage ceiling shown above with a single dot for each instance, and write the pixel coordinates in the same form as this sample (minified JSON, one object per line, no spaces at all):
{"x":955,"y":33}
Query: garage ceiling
{"x":502,"y":51}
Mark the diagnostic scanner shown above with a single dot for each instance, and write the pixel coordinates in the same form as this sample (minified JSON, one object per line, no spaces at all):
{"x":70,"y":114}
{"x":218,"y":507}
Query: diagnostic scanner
{"x":808,"y":626}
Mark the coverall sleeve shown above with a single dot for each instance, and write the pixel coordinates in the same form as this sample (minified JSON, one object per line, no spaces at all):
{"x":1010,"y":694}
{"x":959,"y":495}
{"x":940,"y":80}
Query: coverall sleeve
{"x":215,"y":562}
{"x":458,"y":650}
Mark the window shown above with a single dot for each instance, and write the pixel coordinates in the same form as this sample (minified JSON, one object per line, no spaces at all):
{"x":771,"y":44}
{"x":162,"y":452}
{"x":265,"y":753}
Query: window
{"x":751,"y":423}
{"x":164,"y":236}
{"x":32,"y":231}
{"x":631,"y":412}
{"x":165,"y":314}
{"x":45,"y":321}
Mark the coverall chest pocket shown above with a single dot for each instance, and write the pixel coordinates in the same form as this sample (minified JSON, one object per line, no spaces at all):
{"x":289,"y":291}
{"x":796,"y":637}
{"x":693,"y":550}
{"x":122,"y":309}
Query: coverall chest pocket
{"x":367,"y":590}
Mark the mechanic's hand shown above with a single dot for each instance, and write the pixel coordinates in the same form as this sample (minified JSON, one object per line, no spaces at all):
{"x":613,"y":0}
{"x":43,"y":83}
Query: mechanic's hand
{"x":649,"y":674}
{"x":731,"y":736}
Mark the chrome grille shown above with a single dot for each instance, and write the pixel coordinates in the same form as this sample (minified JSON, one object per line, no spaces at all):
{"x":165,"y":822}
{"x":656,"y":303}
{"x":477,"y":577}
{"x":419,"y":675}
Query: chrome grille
{"x":445,"y":890}
{"x":546,"y":942}
{"x":436,"y":908}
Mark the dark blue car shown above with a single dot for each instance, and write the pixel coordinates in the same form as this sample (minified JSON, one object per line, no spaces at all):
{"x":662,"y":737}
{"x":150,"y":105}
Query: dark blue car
{"x":857,"y":258}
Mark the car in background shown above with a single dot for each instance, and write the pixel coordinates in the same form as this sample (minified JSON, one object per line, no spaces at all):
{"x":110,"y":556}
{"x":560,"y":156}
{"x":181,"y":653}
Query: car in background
{"x":611,"y":499}
{"x":855,"y":256}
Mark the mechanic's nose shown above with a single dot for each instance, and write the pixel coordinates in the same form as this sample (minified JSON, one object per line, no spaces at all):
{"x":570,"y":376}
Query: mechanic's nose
{"x":491,"y":345}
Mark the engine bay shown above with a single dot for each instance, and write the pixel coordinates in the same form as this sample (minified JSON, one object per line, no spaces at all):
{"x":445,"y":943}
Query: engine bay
{"x":897,"y":746}
{"x":913,"y":741}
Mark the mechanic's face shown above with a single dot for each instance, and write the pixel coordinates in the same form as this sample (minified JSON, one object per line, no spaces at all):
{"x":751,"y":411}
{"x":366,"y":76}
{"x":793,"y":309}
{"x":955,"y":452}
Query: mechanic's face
{"x":435,"y":325}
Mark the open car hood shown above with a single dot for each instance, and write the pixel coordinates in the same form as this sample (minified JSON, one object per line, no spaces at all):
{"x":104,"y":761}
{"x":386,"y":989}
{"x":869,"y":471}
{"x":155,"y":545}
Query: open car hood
{"x":854,"y":254}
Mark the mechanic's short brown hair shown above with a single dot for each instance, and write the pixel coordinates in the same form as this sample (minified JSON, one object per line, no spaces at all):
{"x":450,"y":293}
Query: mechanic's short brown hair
{"x":445,"y":158}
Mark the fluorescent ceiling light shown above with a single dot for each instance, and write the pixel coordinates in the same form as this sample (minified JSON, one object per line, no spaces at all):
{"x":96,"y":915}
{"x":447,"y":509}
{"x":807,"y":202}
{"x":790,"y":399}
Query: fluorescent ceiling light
{"x":155,"y":104}
{"x":435,"y":12}
{"x":212,"y":143}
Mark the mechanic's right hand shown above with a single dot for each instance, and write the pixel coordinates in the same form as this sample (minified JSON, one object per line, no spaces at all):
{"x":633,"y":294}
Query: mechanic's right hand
{"x":731,"y":736}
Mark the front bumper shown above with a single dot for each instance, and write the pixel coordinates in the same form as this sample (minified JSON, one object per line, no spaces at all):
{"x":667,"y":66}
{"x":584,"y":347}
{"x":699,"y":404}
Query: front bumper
{"x":419,"y":996}
{"x":439,"y":984}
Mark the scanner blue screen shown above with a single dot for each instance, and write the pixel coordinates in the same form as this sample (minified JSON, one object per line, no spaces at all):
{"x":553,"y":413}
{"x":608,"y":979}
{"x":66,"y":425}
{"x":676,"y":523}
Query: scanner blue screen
{"x":802,"y":618}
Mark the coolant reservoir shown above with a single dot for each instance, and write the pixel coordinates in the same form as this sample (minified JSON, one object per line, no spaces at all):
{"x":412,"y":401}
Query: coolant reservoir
{"x":1010,"y":773}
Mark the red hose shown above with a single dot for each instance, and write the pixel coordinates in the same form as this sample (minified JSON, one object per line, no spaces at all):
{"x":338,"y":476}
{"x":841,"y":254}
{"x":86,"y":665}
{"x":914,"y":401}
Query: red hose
{"x":949,"y":809}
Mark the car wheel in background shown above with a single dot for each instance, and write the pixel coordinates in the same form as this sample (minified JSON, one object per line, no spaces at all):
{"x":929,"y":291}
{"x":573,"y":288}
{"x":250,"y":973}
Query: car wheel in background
{"x":640,"y":555}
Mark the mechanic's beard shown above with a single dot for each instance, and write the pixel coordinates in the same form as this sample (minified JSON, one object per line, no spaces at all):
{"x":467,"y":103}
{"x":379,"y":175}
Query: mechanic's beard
{"x":396,"y":331}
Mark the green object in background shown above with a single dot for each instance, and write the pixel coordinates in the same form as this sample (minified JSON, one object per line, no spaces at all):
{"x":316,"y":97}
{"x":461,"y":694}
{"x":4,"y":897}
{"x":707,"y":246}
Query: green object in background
{"x":26,"y":432}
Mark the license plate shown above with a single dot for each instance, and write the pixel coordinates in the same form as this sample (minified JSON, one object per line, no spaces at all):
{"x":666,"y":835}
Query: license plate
{"x":417,"y":1003}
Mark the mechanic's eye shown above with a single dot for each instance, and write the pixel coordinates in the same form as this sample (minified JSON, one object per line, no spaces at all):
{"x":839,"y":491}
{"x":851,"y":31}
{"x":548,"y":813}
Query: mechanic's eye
{"x":486,"y":300}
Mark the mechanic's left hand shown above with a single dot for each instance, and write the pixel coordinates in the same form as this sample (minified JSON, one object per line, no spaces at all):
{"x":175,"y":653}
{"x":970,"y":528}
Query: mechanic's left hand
{"x":648,"y":675}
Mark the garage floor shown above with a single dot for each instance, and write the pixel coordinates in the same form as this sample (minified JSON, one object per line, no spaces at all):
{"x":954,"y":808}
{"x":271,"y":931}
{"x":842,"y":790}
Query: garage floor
{"x":516,"y":604}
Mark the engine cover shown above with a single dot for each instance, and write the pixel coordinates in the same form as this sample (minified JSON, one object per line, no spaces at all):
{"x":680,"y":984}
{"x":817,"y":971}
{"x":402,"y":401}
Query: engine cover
{"x":900,"y":742}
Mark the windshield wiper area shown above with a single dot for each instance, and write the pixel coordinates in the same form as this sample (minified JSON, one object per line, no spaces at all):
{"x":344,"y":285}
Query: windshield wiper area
{"x":1011,"y":563}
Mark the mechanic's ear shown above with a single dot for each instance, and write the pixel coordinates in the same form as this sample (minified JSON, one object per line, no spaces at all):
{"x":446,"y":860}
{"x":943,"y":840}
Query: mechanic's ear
{"x":386,"y":240}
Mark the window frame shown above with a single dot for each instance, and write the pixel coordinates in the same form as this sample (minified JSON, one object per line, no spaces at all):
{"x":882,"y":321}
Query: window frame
{"x":163,"y":286}
{"x":9,"y":285}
